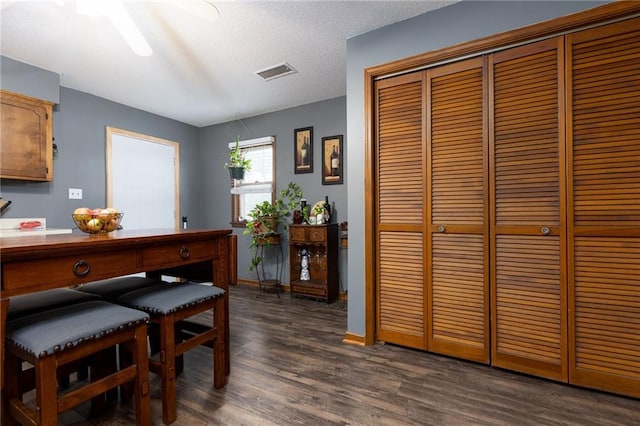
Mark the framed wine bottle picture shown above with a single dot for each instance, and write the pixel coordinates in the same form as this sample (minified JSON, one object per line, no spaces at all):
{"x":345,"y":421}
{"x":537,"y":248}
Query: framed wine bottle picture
{"x":303,"y":139}
{"x":332,"y":160}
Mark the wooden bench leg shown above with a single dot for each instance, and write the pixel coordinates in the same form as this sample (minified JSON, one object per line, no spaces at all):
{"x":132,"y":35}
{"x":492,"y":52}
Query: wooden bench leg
{"x":46,"y":391}
{"x":219,"y":348}
{"x":12,"y":389}
{"x":141,"y":384}
{"x":168,"y":371}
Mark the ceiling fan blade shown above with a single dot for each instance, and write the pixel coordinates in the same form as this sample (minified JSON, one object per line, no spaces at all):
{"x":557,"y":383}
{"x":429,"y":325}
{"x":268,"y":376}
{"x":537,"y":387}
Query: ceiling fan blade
{"x":203,"y":9}
{"x":121,"y":19}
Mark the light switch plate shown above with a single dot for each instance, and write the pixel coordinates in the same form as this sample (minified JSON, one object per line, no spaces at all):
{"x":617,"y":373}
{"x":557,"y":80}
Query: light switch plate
{"x":75,"y":194}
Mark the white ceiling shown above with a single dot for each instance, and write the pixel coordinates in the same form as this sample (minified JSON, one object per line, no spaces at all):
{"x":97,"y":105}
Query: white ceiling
{"x":200,"y":72}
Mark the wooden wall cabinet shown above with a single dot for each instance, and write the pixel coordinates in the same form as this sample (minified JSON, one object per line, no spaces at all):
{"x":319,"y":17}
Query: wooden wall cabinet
{"x":321,"y":241}
{"x":27,"y":138}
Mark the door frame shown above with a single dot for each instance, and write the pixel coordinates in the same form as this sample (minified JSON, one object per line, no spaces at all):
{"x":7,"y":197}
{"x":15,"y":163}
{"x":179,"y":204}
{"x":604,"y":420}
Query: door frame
{"x":111,"y":131}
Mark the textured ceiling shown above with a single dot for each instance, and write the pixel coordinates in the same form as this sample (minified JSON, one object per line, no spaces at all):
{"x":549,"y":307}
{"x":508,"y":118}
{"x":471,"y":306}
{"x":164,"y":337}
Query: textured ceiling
{"x":201,"y":72}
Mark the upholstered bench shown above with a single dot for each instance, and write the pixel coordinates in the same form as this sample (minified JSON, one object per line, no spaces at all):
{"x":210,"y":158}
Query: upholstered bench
{"x":169,"y":306}
{"x":56,"y":337}
{"x":32,"y":303}
{"x":20,"y":306}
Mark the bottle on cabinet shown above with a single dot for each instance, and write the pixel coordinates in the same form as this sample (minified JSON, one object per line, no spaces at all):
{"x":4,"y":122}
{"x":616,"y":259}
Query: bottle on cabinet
{"x":326,"y":215}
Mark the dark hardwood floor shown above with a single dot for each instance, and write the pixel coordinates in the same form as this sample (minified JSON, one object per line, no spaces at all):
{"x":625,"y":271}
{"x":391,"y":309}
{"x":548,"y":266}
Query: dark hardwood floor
{"x":290,"y":367}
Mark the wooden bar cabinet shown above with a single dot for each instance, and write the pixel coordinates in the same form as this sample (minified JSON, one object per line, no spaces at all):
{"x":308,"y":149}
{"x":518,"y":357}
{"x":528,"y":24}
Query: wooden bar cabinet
{"x":321,"y":243}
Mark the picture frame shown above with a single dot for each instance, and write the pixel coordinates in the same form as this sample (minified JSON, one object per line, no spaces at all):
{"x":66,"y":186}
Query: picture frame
{"x":332,"y":164}
{"x":303,"y":145}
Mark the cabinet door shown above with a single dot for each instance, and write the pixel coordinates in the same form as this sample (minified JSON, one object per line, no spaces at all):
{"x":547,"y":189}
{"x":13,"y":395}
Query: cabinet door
{"x":528,"y":232}
{"x":458,"y":308}
{"x":604,"y":251}
{"x":400,"y":212}
{"x":27,"y":140}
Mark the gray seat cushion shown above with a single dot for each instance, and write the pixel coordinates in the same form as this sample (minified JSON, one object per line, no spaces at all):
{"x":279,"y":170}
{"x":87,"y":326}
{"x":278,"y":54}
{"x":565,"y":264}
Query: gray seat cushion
{"x":163,"y":299}
{"x":112,"y":288}
{"x":44,"y":333}
{"x":28,"y":304}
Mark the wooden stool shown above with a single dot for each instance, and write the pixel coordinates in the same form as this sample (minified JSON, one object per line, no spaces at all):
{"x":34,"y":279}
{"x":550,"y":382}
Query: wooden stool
{"x":112,"y":288}
{"x":20,"y":306}
{"x":63,"y":335}
{"x":169,"y":306}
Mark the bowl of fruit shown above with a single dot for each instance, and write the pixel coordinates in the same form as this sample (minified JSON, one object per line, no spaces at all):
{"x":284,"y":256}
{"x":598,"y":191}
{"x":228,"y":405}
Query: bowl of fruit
{"x":97,"y":221}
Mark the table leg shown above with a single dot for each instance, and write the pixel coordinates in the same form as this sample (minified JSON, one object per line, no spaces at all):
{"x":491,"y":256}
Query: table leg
{"x":221,"y":279}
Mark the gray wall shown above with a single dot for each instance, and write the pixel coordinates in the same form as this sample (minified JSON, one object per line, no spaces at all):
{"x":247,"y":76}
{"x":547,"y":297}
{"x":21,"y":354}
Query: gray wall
{"x":79,"y":122}
{"x":31,"y":81}
{"x":454,"y":24}
{"x":328,"y":118}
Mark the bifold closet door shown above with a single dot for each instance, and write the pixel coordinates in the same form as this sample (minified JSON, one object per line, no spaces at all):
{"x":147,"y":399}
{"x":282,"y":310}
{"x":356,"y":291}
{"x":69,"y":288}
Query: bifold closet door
{"x":528,"y":215}
{"x":400,"y":275}
{"x":604,"y":250}
{"x":458,"y":301}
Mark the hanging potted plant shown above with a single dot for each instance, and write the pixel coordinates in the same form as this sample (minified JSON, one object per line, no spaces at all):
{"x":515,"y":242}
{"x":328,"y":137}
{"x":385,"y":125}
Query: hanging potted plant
{"x":237,"y":164}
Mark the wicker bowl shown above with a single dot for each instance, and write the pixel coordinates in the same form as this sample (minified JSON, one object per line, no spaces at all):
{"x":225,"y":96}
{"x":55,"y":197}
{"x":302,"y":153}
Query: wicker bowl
{"x":98,"y":223}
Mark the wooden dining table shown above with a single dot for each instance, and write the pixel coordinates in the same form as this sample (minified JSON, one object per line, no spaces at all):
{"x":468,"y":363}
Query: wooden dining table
{"x":34,"y":263}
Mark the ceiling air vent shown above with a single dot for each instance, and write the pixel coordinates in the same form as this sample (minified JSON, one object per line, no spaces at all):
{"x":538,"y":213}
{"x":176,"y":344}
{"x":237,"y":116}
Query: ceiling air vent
{"x":276,"y":71}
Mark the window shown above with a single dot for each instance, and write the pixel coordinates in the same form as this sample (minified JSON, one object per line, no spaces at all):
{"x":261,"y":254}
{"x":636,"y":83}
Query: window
{"x":258,"y":183}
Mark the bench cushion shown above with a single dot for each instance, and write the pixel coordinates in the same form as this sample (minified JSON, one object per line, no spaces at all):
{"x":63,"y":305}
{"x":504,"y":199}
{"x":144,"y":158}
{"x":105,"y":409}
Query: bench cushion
{"x":28,"y":304}
{"x":114,"y":287}
{"x":47,"y":332}
{"x":164,"y":299}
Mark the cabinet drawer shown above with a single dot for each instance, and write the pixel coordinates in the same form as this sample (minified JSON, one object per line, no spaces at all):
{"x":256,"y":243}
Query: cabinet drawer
{"x":310,"y":289}
{"x":308,"y":234}
{"x":174,"y":254}
{"x":297,"y":234}
{"x":317,"y":235}
{"x":67,"y":270}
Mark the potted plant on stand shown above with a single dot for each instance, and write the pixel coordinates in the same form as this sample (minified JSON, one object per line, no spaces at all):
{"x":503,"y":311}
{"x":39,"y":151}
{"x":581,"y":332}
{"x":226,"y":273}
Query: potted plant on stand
{"x":266,"y":218}
{"x":237,"y":164}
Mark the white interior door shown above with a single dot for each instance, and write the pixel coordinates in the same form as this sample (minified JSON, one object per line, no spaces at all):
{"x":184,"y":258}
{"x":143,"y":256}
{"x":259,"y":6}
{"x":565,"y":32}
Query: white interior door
{"x":142,"y":179}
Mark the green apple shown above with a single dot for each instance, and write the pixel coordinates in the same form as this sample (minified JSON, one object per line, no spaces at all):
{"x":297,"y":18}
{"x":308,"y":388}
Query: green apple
{"x":94,"y":225}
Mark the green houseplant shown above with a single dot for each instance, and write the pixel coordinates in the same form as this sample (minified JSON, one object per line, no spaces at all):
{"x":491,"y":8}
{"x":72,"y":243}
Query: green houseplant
{"x":266,"y":218}
{"x":237,"y":163}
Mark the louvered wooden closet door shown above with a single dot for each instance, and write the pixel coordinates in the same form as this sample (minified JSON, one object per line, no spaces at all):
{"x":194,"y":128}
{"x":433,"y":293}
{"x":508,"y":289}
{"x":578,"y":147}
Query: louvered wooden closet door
{"x":458,"y":314}
{"x":605,"y":207}
{"x":400,"y":211}
{"x":528,"y":232}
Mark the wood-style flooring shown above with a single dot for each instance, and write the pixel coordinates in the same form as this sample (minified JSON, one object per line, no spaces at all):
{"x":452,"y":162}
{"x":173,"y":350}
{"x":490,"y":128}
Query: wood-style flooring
{"x":290,"y":367}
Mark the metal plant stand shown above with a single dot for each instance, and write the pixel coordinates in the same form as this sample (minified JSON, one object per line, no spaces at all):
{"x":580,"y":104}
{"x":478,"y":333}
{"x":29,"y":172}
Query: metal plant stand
{"x":274,"y":284}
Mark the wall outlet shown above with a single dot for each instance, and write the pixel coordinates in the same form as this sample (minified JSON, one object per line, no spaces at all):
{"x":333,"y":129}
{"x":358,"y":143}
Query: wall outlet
{"x":75,"y":194}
